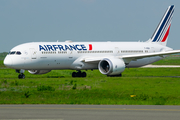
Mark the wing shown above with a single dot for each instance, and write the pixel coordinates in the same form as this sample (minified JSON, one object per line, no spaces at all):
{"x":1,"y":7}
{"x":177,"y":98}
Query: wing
{"x":138,"y":56}
{"x":129,"y":58}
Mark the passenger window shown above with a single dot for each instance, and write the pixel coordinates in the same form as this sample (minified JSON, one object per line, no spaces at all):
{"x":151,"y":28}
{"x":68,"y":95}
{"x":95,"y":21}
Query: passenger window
{"x":18,"y":53}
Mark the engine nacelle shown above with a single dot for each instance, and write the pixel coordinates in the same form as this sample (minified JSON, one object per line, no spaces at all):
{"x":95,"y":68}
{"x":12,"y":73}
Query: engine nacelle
{"x":38,"y":71}
{"x":111,"y":66}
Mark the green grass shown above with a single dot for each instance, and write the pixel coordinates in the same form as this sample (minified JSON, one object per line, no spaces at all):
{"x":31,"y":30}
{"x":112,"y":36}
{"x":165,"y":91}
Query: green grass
{"x":152,"y":86}
{"x":3,"y":55}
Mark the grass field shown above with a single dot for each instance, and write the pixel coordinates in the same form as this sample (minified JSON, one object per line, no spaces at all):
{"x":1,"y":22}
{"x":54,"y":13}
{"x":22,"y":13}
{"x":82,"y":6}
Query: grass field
{"x":149,"y":86}
{"x":170,"y":60}
{"x":3,"y":55}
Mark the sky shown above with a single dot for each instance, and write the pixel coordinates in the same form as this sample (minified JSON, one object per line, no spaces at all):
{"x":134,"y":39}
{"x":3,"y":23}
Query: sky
{"x":23,"y":21}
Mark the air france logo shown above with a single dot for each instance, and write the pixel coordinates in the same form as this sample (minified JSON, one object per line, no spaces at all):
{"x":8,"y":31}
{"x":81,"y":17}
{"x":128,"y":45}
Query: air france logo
{"x":77,"y":47}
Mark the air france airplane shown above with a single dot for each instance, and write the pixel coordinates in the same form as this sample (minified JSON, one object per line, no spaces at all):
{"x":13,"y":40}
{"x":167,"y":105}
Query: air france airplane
{"x":111,"y":58}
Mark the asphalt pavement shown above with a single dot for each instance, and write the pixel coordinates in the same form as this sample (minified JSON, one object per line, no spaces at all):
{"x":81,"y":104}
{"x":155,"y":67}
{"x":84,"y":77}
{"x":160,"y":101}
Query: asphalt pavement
{"x":90,"y":112}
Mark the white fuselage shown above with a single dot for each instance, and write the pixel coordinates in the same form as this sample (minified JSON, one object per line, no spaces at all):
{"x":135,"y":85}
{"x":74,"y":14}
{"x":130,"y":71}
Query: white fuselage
{"x":70,"y":55}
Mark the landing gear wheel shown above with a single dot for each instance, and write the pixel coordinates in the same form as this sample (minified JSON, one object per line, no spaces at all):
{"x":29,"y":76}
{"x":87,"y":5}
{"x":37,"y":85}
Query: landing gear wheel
{"x":79,"y":74}
{"x":83,"y":74}
{"x":74,"y":74}
{"x":21,"y":76}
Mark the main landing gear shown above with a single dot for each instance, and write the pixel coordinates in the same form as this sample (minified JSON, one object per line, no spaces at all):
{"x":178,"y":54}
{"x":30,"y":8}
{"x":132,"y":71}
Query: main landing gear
{"x":79,"y":74}
{"x":21,"y":75}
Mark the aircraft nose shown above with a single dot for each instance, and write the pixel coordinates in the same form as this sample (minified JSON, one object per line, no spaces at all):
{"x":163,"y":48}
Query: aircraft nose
{"x":8,"y":61}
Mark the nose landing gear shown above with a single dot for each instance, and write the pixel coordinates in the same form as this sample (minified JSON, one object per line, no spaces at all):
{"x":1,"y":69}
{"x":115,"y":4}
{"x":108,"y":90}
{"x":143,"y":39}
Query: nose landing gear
{"x":79,"y":74}
{"x":21,"y":75}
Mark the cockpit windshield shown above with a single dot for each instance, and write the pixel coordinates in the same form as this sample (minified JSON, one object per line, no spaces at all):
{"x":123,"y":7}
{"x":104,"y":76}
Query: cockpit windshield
{"x":14,"y":52}
{"x":18,"y":53}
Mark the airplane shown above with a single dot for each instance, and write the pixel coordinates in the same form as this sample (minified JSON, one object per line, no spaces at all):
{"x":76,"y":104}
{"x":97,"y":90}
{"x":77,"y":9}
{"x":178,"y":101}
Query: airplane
{"x":111,"y":58}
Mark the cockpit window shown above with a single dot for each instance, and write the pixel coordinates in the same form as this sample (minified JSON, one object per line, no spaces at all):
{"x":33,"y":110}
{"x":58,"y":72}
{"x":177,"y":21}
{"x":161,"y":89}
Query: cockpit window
{"x":18,"y":53}
{"x":12,"y":52}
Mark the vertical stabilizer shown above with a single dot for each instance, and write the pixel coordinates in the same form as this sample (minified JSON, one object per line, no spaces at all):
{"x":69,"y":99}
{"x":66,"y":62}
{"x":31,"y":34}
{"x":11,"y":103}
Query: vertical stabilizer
{"x":161,"y":33}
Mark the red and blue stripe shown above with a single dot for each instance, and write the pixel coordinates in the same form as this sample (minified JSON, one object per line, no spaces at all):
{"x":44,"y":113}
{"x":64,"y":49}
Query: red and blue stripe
{"x":162,"y":31}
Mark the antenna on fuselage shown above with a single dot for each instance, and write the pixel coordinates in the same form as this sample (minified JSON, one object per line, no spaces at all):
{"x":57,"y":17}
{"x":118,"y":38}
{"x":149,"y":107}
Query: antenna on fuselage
{"x":69,"y":41}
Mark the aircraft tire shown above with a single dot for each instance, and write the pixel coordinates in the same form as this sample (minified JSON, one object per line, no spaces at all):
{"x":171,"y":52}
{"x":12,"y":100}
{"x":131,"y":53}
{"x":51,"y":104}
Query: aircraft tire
{"x":79,"y":74}
{"x":21,"y":76}
{"x":74,"y":74}
{"x":83,"y":74}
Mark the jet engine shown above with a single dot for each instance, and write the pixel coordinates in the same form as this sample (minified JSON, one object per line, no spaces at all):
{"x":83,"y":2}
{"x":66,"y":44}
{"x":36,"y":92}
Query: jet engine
{"x":38,"y":71}
{"x":111,"y":66}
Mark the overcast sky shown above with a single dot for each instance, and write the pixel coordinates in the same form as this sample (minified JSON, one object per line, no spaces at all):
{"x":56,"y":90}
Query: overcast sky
{"x":23,"y":21}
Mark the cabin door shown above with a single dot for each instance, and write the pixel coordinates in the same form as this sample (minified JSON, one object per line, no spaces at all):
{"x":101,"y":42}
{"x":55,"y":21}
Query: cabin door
{"x":33,"y":53}
{"x":117,"y":51}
